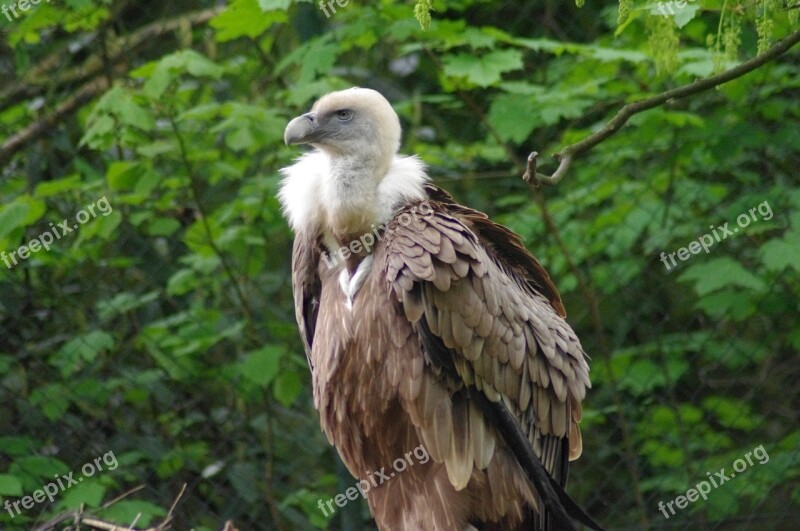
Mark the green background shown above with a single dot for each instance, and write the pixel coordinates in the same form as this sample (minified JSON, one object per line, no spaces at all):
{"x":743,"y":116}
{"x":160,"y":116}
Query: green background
{"x":164,"y":331}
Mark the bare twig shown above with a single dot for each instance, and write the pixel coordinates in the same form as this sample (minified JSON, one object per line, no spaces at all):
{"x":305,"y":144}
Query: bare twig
{"x":168,"y":519}
{"x":123,"y":495}
{"x":105,"y":526}
{"x":568,"y":154}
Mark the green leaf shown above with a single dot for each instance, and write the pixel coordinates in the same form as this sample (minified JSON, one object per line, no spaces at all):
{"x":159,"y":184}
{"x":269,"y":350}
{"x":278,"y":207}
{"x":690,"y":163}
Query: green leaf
{"x":506,"y":115}
{"x":200,"y":112}
{"x":52,"y":399}
{"x":87,"y":492}
{"x":245,"y":18}
{"x":81,"y":350}
{"x":36,"y":468}
{"x":685,"y":14}
{"x":245,"y":480}
{"x":549,"y":46}
{"x":485,"y":70}
{"x":18,"y":446}
{"x":261,"y":366}
{"x":777,"y":255}
{"x":719,"y":273}
{"x":105,"y":226}
{"x":123,"y":175}
{"x":287,"y":387}
{"x":632,"y":15}
{"x":196,"y":64}
{"x":269,"y":5}
{"x":660,"y":453}
{"x":57,"y":186}
{"x":319,"y":59}
{"x":182,"y":281}
{"x":134,"y":115}
{"x":722,"y":502}
{"x":727,"y":303}
{"x":732,"y":413}
{"x":126,"y":511}
{"x":612,"y":54}
{"x":163,"y":226}
{"x":171,"y":67}
{"x":642,"y":376}
{"x":159,"y":147}
{"x":99,"y":133}
{"x":240,"y":140}
{"x":10,"y":485}
{"x":12,"y":216}
{"x":122,"y":303}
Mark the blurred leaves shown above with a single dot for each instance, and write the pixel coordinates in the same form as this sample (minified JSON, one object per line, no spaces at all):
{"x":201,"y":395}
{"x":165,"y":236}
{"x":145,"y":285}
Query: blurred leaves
{"x":164,"y":329}
{"x":485,"y":70}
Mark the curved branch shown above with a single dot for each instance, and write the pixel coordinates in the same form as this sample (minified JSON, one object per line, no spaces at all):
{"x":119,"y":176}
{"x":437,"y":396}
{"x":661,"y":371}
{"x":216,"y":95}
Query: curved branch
{"x":568,"y":154}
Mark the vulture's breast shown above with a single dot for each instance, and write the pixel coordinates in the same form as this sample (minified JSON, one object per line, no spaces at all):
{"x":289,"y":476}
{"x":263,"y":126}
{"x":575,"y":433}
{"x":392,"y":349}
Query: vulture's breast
{"x":364,"y":353}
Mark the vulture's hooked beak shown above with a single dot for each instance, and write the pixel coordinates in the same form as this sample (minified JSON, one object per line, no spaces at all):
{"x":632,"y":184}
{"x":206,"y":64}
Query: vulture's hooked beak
{"x":302,"y":129}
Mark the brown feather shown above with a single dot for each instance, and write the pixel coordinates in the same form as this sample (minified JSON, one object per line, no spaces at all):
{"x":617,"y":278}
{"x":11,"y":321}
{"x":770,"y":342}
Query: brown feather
{"x":470,"y":284}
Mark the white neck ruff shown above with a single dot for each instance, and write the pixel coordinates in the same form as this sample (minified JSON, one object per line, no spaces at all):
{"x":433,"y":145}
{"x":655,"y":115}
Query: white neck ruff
{"x":313,"y":200}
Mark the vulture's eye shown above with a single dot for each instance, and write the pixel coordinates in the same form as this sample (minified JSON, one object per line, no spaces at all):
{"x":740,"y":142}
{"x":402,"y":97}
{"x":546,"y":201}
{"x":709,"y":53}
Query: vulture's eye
{"x":344,"y":115}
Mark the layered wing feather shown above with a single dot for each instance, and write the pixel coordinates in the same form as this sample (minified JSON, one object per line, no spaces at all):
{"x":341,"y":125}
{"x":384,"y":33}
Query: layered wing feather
{"x":499,"y":322}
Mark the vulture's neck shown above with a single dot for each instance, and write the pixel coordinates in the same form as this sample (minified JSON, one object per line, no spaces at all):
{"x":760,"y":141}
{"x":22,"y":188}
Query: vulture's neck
{"x":350,"y":195}
{"x":344,"y":198}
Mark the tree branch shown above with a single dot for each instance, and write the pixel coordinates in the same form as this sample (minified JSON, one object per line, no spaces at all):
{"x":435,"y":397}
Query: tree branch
{"x":116,"y":54}
{"x":569,"y":153}
{"x":84,"y":94}
{"x":36,"y":80}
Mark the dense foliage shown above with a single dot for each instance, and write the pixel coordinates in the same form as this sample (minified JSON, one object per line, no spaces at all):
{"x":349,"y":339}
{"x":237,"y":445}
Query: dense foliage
{"x":157,"y":323}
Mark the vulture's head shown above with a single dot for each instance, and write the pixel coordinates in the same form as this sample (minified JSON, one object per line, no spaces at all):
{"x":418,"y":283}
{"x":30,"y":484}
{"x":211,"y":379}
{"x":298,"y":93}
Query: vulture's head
{"x":354,"y":178}
{"x":356,"y":124}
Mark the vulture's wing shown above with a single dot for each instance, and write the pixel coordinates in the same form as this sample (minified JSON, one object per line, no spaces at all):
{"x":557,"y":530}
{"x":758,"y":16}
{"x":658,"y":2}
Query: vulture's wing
{"x":306,"y":286}
{"x":491,"y":320}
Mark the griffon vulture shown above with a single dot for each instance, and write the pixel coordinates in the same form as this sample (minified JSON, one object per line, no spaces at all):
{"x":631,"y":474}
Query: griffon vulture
{"x":425,"y":323}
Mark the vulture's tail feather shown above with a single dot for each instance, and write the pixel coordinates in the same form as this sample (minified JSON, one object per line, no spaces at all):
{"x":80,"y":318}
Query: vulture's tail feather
{"x":559,"y":508}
